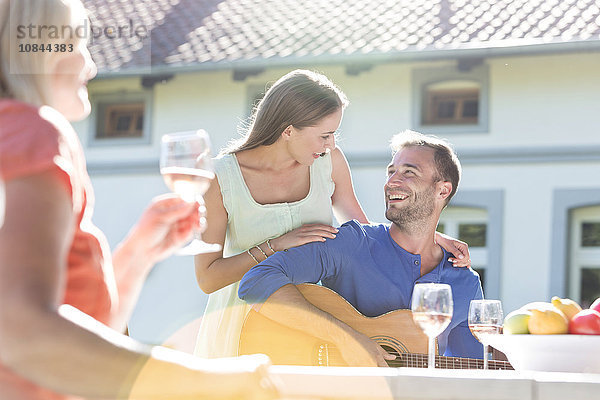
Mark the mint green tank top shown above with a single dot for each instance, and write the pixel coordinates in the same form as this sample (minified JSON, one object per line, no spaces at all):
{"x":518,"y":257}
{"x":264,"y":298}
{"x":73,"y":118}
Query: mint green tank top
{"x":249,"y":224}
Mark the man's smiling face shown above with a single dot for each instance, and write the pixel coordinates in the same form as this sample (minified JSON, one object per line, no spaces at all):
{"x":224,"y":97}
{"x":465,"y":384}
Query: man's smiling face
{"x":410,"y":189}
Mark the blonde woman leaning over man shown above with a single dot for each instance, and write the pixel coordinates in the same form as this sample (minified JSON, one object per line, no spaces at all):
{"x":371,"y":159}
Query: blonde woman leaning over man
{"x":275,"y":190}
{"x":63,"y":298}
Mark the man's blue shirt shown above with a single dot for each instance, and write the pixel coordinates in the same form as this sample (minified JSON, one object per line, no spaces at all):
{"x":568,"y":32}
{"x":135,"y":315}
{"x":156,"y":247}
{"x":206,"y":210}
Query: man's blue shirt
{"x":366,"y":267}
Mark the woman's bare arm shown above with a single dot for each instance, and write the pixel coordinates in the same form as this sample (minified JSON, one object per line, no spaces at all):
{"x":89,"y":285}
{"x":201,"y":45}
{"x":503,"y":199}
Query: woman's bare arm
{"x":86,"y":357}
{"x":214,"y":272}
{"x":345,"y":204}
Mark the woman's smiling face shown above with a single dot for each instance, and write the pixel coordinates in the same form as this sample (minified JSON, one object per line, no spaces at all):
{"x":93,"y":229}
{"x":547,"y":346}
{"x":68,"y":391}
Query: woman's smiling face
{"x":307,"y":144}
{"x":68,"y":82}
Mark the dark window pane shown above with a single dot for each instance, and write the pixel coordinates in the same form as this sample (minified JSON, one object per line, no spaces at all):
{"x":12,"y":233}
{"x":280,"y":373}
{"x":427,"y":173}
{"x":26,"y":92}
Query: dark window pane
{"x":481,"y":272}
{"x":450,"y":105}
{"x":470,"y":109}
{"x":446,"y":109}
{"x":441,"y":228}
{"x":120,"y":120}
{"x":123,"y":122}
{"x":473,"y":234}
{"x":590,"y":286}
{"x":590,"y":234}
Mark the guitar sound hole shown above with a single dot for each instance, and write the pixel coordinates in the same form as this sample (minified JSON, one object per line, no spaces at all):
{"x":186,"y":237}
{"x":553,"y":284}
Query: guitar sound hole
{"x":389,"y":349}
{"x":399,"y":361}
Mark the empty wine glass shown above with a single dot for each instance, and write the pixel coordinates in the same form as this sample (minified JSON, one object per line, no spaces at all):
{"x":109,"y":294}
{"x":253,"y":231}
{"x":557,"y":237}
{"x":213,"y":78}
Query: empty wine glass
{"x":432,"y":308}
{"x":186,"y":167}
{"x":485,"y":319}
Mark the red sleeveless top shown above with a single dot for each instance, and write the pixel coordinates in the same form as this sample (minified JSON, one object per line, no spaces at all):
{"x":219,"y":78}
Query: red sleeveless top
{"x":33,"y":140}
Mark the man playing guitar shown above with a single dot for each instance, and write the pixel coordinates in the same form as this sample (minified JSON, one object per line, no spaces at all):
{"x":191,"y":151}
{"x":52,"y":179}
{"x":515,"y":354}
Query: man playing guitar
{"x":374,"y":267}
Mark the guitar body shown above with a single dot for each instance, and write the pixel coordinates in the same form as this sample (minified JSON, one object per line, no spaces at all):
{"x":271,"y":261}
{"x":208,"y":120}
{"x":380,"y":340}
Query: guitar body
{"x":395,"y":331}
{"x":290,"y":346}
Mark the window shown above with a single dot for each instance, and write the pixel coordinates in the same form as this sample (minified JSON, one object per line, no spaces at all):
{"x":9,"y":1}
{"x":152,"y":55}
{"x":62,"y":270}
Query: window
{"x":590,"y":234}
{"x":590,"y":285}
{"x":446,"y":100}
{"x":469,"y":225}
{"x":584,"y":271}
{"x":473,"y":234}
{"x":450,"y":102}
{"x":121,"y":118}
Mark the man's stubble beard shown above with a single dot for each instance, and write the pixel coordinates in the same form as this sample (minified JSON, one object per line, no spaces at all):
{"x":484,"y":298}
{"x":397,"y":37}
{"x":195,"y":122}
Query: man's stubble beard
{"x":413,"y":218}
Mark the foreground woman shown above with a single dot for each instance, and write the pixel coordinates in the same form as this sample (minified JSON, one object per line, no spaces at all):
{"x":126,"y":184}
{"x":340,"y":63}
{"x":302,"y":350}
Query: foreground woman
{"x":63,"y":298}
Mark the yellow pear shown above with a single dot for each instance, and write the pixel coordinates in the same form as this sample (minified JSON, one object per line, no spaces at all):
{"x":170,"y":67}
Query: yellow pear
{"x":548,"y":322}
{"x":567,"y":306}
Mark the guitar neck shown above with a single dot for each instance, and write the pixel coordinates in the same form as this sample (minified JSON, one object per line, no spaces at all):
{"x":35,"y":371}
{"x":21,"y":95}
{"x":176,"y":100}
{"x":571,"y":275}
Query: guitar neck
{"x":414,"y":360}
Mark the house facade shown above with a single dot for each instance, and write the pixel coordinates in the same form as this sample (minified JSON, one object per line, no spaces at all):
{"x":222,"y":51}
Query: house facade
{"x":514,"y":89}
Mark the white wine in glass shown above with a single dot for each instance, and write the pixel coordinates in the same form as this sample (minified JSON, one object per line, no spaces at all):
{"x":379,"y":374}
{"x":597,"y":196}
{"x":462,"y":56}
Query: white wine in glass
{"x":432,"y":307}
{"x":485,"y":319}
{"x":187,"y":182}
{"x":186,"y":167}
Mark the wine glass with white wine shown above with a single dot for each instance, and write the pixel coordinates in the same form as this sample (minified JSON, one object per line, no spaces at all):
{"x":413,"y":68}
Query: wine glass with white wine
{"x":432,"y":307}
{"x":485,"y":319}
{"x":186,"y":167}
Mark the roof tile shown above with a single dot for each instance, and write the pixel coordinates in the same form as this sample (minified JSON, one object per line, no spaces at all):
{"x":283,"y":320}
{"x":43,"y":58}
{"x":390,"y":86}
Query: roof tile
{"x":188,"y":32}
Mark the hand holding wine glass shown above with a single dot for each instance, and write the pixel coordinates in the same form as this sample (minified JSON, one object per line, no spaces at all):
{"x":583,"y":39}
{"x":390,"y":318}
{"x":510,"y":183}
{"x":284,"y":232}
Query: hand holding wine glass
{"x":186,"y":166}
{"x":432,"y":307}
{"x":485,"y":319}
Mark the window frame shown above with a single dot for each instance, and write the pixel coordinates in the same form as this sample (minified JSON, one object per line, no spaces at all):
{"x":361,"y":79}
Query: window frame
{"x":123,"y":108}
{"x":433,"y":98}
{"x":424,"y":77}
{"x":581,"y":257}
{"x":455,"y":215}
{"x":101,"y":102}
{"x":492,"y":201}
{"x":564,"y":202}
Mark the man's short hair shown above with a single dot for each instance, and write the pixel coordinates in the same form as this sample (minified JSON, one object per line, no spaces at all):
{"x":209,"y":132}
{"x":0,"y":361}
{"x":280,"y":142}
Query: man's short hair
{"x":446,"y":161}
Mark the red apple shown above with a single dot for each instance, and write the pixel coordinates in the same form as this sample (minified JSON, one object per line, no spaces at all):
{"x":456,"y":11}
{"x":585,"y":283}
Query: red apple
{"x":596,"y":305}
{"x":586,"y":322}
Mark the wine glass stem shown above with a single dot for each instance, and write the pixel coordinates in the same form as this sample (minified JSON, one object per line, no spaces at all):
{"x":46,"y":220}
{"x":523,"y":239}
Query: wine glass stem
{"x":485,"y":356}
{"x":431,"y":354}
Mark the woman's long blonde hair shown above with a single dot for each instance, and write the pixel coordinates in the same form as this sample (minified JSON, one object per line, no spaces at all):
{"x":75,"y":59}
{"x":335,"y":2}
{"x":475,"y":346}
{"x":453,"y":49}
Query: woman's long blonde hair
{"x":24,"y":75}
{"x":300,"y":98}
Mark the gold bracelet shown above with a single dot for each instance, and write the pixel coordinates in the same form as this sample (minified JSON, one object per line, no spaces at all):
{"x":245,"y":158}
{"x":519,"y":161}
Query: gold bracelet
{"x":263,"y":253}
{"x":269,"y":246}
{"x":252,"y":255}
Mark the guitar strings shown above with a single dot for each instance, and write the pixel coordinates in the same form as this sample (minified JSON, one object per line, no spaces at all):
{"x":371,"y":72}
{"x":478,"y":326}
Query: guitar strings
{"x":418,"y":360}
{"x":422,"y":359}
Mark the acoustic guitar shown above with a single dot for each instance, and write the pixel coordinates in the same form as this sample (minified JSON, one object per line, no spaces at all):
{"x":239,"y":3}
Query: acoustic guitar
{"x":395,"y":331}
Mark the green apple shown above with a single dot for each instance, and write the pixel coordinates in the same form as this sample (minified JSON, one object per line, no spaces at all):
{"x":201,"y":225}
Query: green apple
{"x":516,"y":322}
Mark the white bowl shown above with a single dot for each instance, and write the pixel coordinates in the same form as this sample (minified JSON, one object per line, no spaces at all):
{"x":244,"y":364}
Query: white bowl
{"x":551,"y":353}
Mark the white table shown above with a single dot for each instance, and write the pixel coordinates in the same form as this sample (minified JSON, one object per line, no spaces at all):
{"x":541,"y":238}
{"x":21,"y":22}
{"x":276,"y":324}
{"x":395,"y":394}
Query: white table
{"x":422,"y":384}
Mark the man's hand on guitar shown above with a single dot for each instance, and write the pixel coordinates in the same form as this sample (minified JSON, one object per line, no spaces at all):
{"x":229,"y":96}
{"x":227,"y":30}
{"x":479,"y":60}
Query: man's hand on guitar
{"x":360,"y":351}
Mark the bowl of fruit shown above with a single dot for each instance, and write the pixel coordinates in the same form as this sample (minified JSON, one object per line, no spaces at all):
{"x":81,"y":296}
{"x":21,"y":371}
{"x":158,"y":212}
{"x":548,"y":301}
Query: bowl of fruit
{"x":558,"y":336}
